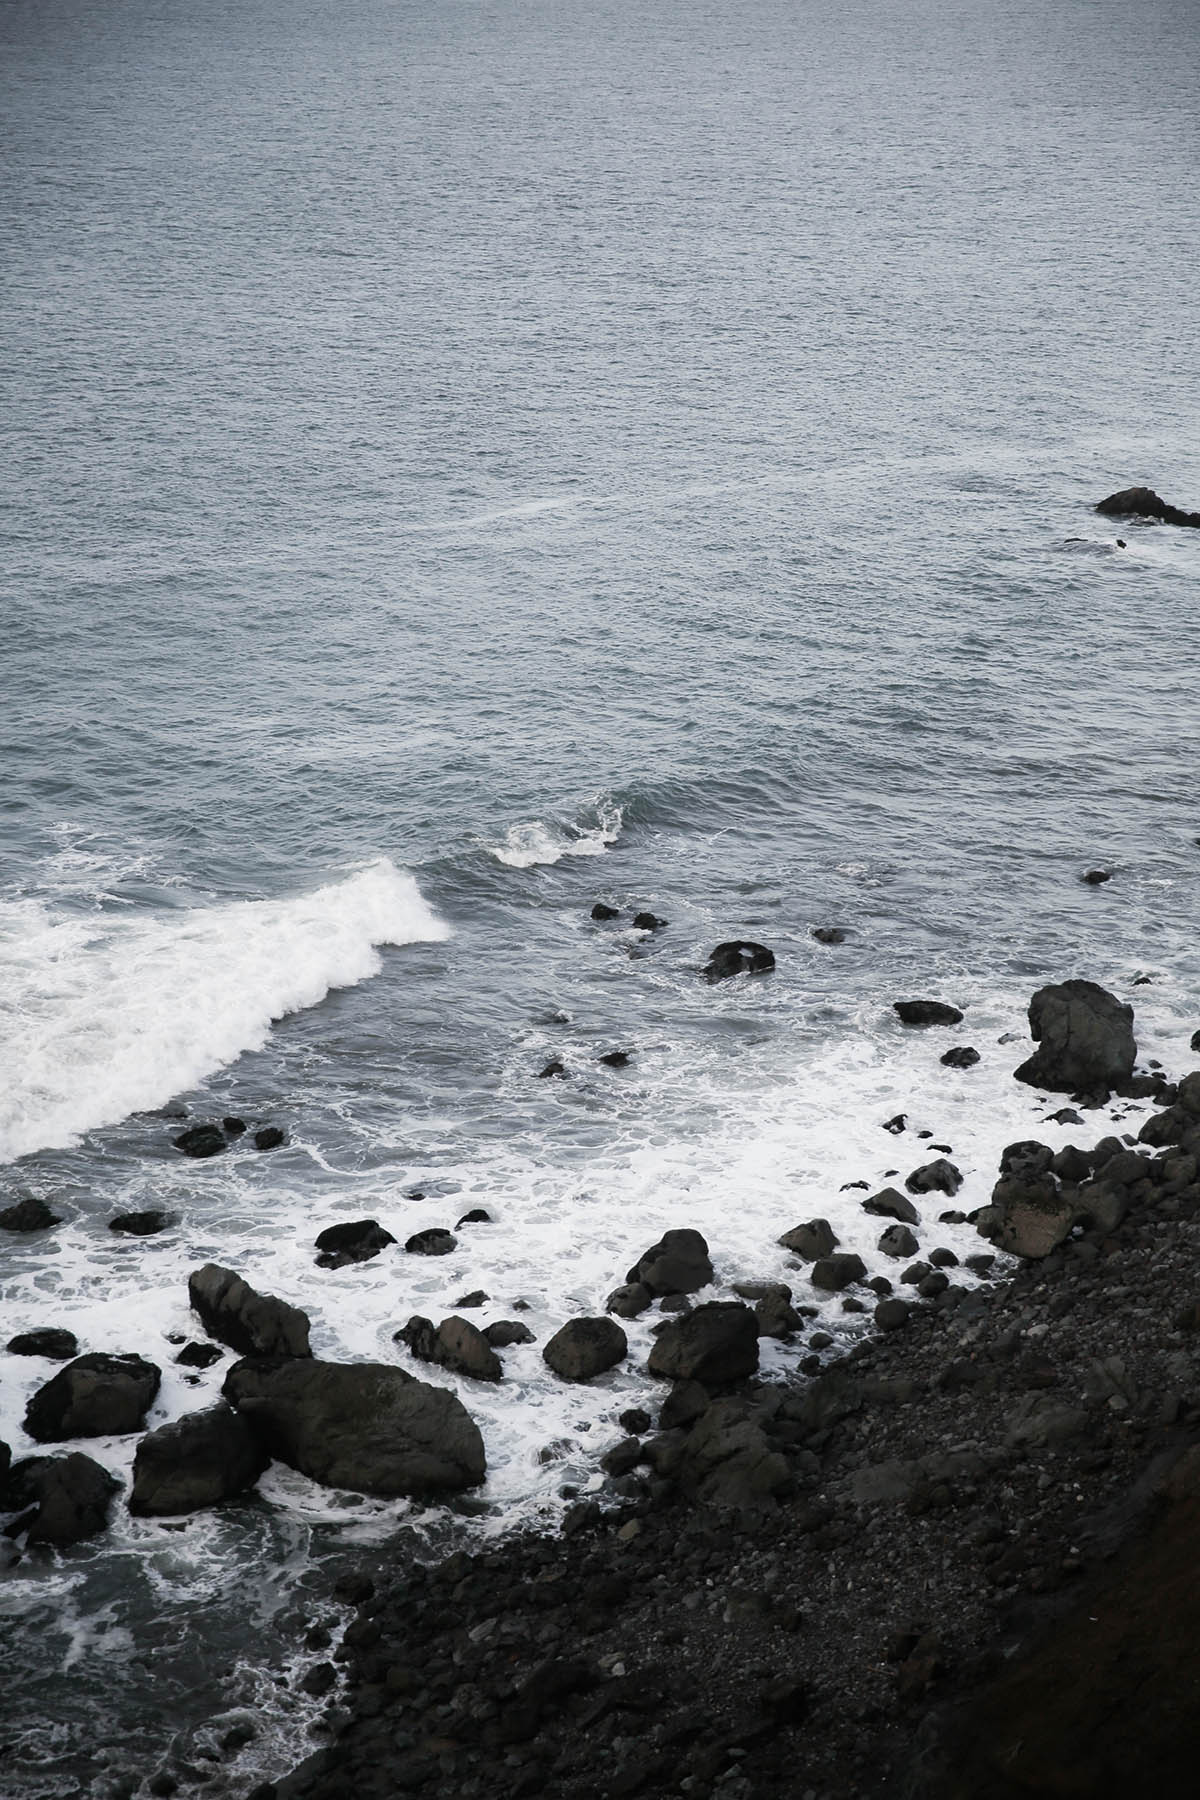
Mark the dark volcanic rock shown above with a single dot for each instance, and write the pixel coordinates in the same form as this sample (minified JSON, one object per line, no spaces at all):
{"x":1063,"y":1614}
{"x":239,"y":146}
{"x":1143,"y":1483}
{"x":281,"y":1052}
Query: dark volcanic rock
{"x":602,"y":910}
{"x":194,"y":1462}
{"x":96,"y":1395}
{"x":739,"y":956}
{"x":1096,"y":877}
{"x":677,"y":1264}
{"x":363,"y":1426}
{"x":583,"y":1348}
{"x":200,"y":1140}
{"x":648,"y":921}
{"x":269,"y":1137}
{"x":898,"y":1240}
{"x":71,"y":1495}
{"x":356,"y":1241}
{"x":937,"y":1177}
{"x":48,"y":1340}
{"x":1144,"y":503}
{"x":434,"y":1242}
{"x":963,"y":1056}
{"x":252,"y":1323}
{"x":829,"y":934}
{"x":715,"y":1343}
{"x":832,"y":1273}
{"x":199,"y":1356}
{"x":29,"y":1214}
{"x":478,"y":1215}
{"x":503,"y":1332}
{"x":727,"y":1459}
{"x":616,"y":1059}
{"x":138,"y":1224}
{"x":890,"y":1203}
{"x":630,"y":1300}
{"x":1084,"y":1037}
{"x":554,"y":1067}
{"x":926,"y":1012}
{"x":454,"y":1344}
{"x":810,"y":1241}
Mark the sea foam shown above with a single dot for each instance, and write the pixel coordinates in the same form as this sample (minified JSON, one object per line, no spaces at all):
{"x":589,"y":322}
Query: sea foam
{"x":104,"y":1015}
{"x":527,"y":845}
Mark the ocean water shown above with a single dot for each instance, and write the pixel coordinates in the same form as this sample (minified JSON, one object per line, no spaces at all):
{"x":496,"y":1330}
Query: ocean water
{"x":465,"y":462}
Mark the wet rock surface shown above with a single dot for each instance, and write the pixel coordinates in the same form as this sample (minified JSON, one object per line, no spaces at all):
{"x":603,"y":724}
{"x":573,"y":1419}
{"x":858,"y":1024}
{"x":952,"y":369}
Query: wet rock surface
{"x":238,"y":1315}
{"x":195,"y":1462}
{"x":864,"y":1584}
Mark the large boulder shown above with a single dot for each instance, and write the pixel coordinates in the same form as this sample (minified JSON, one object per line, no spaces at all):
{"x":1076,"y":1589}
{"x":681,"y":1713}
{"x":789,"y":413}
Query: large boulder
{"x":727,"y":1460}
{"x":715,"y":1343}
{"x":364,"y":1426}
{"x":889,"y":1203}
{"x":738,"y":957}
{"x":196,"y":1461}
{"x":816,"y":1238}
{"x":677,"y":1264}
{"x":61,"y":1499}
{"x":454,"y":1344}
{"x":29,"y":1214}
{"x":1085,"y":1040}
{"x":833,"y":1273}
{"x":585,"y":1347}
{"x":1144,"y":503}
{"x":97,"y":1395}
{"x":1032,"y":1210}
{"x":238,"y":1315}
{"x":358,"y":1240}
{"x":53,"y":1342}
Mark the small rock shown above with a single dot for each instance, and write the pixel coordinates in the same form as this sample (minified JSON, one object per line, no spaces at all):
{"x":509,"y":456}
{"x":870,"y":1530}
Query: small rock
{"x":616,"y":1059}
{"x":478,"y":1215}
{"x":507,"y":1331}
{"x":898,"y":1241}
{"x":1096,"y":877}
{"x":201,"y":1140}
{"x":829,"y":934}
{"x":717,"y":1342}
{"x":896,"y":1125}
{"x":434,"y":1242}
{"x":602,"y":910}
{"x":926,"y":1012}
{"x":811,"y":1241}
{"x":647,"y":921}
{"x":50,"y":1341}
{"x":629,"y":1300}
{"x":890,"y":1315}
{"x":963,"y":1056}
{"x":233,"y":1126}
{"x":199,"y":1356}
{"x":138,"y":1224}
{"x":454,"y":1344}
{"x":269,"y":1137}
{"x":940,"y":1177}
{"x":356,"y":1241}
{"x":553,"y":1067}
{"x":583,"y":1348}
{"x":468,"y":1302}
{"x":739,"y":956}
{"x":677,"y":1264}
{"x":890,"y":1203}
{"x":832,"y":1273}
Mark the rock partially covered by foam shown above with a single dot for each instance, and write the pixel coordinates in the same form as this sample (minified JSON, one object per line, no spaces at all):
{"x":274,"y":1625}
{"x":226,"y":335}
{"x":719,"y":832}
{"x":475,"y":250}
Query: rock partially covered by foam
{"x":252,"y":1323}
{"x":1144,"y":503}
{"x":454,"y":1344}
{"x":583,"y":1348}
{"x":740,"y":956}
{"x":61,"y":1499}
{"x":97,"y":1395}
{"x":677,"y":1264}
{"x":364,"y":1426}
{"x":1085,"y":1040}
{"x":195,"y":1462}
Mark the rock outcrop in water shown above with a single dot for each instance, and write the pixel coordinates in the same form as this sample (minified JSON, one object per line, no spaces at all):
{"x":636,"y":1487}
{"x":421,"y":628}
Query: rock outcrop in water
{"x":677,"y":1264}
{"x":97,"y":1395}
{"x":454,"y":1344}
{"x":1144,"y":503}
{"x":254,"y":1324}
{"x":1085,"y":1040}
{"x":59,"y":1500}
{"x":740,"y":956}
{"x":584,"y":1348}
{"x":195,"y":1462}
{"x":364,"y":1426}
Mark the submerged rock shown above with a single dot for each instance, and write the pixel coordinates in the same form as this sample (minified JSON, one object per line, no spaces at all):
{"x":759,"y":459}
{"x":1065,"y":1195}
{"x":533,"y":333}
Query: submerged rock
{"x":252,"y":1323}
{"x":740,"y":956}
{"x":138,"y":1224}
{"x":828,"y":934}
{"x":583,"y":1348}
{"x":62,"y":1499}
{"x":194,"y":1462}
{"x":364,"y":1426}
{"x":602,"y":910}
{"x":97,"y":1395}
{"x":648,"y":921}
{"x":1085,"y":1040}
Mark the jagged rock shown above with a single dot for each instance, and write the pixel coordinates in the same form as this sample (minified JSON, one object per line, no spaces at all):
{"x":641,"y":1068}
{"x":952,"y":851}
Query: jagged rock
{"x":254,"y":1324}
{"x":898,"y":1240}
{"x":684,"y":1405}
{"x":963,"y":1056}
{"x":738,"y":957}
{"x":647,"y":921}
{"x":507,"y":1331}
{"x":629,"y":1300}
{"x":454,"y":1344}
{"x":30,"y":1214}
{"x":1085,"y":1040}
{"x":71,"y":1495}
{"x":97,"y":1395}
{"x":937,"y":1177}
{"x":200,"y":1140}
{"x":194,"y":1462}
{"x":434,"y":1242}
{"x":363,"y":1426}
{"x":717,"y":1342}
{"x":926,"y":1012}
{"x":889,"y":1203}
{"x":811,"y":1241}
{"x":50,"y":1341}
{"x":1144,"y":503}
{"x":832,"y":1273}
{"x":727,"y":1460}
{"x":138,"y":1224}
{"x":776,"y":1316}
{"x":356,"y":1241}
{"x":583,"y":1348}
{"x":602,"y":911}
{"x":677,"y":1264}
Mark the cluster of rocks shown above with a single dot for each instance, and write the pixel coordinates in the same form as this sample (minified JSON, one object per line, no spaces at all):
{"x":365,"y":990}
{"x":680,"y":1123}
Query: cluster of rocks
{"x":210,"y":1139}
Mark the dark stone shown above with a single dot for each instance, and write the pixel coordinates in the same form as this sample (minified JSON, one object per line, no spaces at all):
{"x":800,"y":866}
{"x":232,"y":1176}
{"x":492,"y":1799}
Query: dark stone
{"x":50,"y":1341}
{"x":635,"y":1420}
{"x":199,"y":1356}
{"x":926,"y":1012}
{"x":507,"y":1331}
{"x":896,"y":1125}
{"x":898,"y":1241}
{"x":454,"y":1344}
{"x":1144,"y":503}
{"x":233,"y":1127}
{"x":937,"y":1177}
{"x":97,"y":1395}
{"x":630,"y":1300}
{"x":478,"y":1215}
{"x":776,"y":1316}
{"x":583,"y":1348}
{"x":683,"y":1405}
{"x":715,"y":1343}
{"x":554,"y":1067}
{"x":468,"y":1302}
{"x":829,"y":934}
{"x":1066,"y":1115}
{"x":738,"y":957}
{"x":195,"y":1462}
{"x":677,"y":1264}
{"x":963,"y":1056}
{"x":602,"y":911}
{"x":616,"y":1059}
{"x":138,"y":1224}
{"x":434,"y":1242}
{"x":269,"y":1137}
{"x":29,"y":1214}
{"x":647,"y":921}
{"x":832,"y":1273}
{"x":363,"y":1426}
{"x":890,"y":1203}
{"x":356,"y":1241}
{"x":1096,"y":877}
{"x":1084,"y":1037}
{"x":622,"y":1457}
{"x":70,"y":1496}
{"x":251,"y":1323}
{"x":811,"y":1241}
{"x":890,"y":1315}
{"x":1194,"y":1041}
{"x":201,"y":1140}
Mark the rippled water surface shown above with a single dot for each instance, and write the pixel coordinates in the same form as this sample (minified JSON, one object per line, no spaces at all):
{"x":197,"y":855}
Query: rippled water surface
{"x":465,"y":462}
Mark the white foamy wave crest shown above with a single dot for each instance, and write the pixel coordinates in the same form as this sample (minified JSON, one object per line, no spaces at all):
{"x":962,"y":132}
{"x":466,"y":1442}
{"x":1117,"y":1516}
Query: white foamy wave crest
{"x":101,"y":1016}
{"x":525,"y":846}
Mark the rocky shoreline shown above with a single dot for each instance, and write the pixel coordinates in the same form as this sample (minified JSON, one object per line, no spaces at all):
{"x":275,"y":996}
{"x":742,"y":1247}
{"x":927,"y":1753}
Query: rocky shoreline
{"x":958,"y":1561}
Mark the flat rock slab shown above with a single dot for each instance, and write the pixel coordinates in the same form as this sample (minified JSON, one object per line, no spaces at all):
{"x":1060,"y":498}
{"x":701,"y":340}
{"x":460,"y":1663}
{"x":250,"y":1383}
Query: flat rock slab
{"x":364,"y":1426}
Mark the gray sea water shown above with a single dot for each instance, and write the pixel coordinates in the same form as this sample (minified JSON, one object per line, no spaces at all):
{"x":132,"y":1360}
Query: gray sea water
{"x":461,"y":462}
